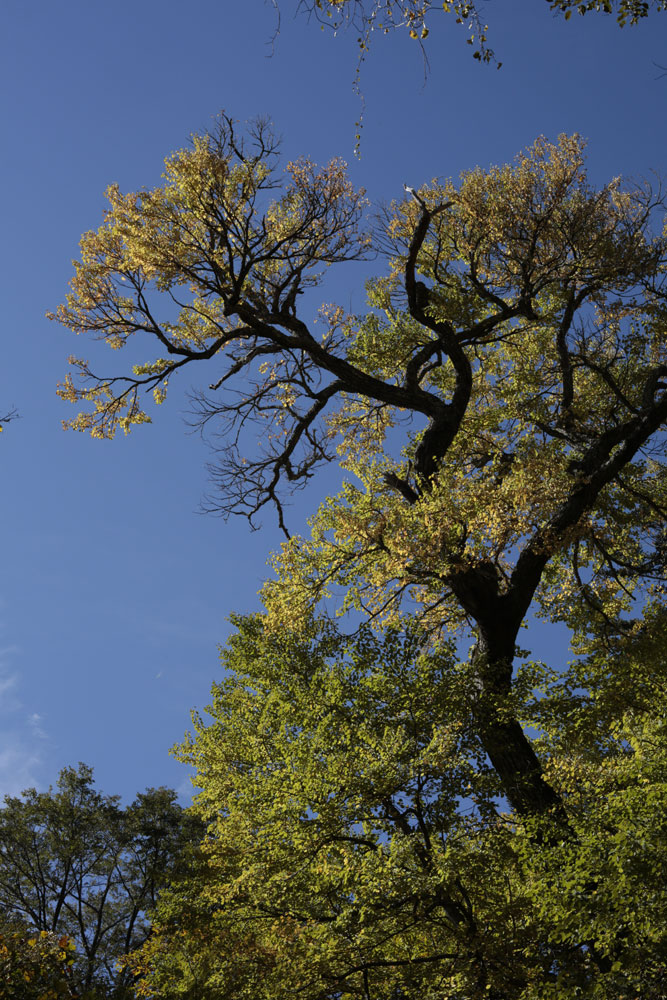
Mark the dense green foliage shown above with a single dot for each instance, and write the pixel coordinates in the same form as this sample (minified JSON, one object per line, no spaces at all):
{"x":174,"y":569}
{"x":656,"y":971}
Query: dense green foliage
{"x":78,"y":868}
{"x":359,"y":844}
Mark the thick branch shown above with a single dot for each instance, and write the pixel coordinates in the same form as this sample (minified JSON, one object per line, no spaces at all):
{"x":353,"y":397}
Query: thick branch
{"x":602,"y":462}
{"x":445,"y":423}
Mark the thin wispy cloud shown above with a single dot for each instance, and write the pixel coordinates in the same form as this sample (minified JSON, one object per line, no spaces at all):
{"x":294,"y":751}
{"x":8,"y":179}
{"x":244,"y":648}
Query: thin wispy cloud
{"x":22,"y":733}
{"x":8,"y":678}
{"x":7,"y":684}
{"x":35,"y":722}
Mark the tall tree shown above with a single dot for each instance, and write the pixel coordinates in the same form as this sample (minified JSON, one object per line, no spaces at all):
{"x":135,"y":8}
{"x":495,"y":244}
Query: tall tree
{"x":521,"y":331}
{"x":75,"y":865}
{"x":498,"y":411}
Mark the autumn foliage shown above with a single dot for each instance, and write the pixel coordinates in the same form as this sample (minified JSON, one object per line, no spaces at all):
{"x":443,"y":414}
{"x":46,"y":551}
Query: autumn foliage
{"x":36,"y":966}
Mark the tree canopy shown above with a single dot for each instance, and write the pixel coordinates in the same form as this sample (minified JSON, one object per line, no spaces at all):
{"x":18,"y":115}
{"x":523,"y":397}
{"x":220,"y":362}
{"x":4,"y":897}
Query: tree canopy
{"x":498,"y":413}
{"x":78,"y":874}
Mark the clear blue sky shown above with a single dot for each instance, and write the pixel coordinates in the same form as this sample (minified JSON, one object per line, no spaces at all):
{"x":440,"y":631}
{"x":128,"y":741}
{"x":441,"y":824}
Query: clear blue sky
{"x":114,"y":591}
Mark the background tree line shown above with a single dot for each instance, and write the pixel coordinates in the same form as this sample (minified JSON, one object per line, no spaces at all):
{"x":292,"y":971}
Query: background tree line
{"x":79,"y":875}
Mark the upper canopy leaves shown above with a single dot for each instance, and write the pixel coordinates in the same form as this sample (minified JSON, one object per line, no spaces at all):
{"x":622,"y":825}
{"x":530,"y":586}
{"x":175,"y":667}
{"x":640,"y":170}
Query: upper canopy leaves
{"x":520,"y":330}
{"x":535,"y":346}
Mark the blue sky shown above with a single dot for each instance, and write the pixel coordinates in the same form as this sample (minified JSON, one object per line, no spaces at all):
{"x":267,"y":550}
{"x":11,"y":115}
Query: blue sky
{"x":115,"y":591}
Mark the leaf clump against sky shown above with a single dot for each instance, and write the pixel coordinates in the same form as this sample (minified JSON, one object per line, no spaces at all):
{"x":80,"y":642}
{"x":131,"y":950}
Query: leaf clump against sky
{"x":417,"y":17}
